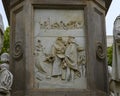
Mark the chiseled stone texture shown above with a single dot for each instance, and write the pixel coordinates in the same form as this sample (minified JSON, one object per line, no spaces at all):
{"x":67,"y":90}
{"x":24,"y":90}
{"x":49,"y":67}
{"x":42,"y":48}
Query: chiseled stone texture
{"x":43,"y":35}
{"x":57,"y":35}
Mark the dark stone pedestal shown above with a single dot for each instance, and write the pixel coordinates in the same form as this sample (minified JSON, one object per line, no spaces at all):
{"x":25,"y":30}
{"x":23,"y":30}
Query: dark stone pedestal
{"x":22,"y":46}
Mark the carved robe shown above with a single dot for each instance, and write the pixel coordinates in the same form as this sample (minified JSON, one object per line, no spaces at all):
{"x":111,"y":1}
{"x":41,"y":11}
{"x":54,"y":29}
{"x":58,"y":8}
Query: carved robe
{"x":116,"y":55}
{"x":58,"y":51}
{"x":6,"y":80}
{"x":71,"y":58}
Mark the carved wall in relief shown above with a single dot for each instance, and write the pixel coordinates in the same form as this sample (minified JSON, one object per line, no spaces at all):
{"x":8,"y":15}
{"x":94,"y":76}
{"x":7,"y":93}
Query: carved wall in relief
{"x":59,"y":49}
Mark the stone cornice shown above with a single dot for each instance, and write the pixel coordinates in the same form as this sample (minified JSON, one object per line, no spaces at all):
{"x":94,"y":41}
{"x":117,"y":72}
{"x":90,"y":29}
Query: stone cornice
{"x":7,"y":7}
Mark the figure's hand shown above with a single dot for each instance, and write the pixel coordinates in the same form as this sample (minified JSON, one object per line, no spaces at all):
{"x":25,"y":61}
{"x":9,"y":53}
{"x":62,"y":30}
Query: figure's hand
{"x":49,"y":58}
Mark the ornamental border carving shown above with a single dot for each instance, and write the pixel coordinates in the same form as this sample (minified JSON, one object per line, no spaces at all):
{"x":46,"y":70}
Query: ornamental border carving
{"x":100,"y":52}
{"x":18,"y":50}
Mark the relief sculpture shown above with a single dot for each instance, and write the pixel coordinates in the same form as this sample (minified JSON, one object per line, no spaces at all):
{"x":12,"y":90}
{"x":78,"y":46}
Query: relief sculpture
{"x":61,"y":25}
{"x":71,"y":58}
{"x":39,"y":54}
{"x":59,"y":49}
{"x":67,"y":60}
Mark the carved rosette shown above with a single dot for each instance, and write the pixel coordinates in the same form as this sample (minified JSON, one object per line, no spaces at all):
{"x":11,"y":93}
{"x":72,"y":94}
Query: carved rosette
{"x":18,"y":50}
{"x":100,"y":52}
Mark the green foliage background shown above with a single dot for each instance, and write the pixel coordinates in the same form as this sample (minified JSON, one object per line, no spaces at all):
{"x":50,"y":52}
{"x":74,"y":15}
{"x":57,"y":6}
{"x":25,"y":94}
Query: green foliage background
{"x":6,"y":41}
{"x":109,"y":55}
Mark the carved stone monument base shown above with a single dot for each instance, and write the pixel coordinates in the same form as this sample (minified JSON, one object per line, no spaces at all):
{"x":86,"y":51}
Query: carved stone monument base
{"x":58,"y":48}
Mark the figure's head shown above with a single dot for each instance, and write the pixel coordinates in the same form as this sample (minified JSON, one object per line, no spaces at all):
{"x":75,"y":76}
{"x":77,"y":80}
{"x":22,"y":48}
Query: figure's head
{"x":4,"y":66}
{"x":59,"y":38}
{"x":71,"y":39}
{"x":5,"y":57}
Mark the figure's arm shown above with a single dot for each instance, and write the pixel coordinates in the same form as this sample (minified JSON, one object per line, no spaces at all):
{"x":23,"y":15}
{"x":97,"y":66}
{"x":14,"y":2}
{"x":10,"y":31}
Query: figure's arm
{"x":53,"y":52}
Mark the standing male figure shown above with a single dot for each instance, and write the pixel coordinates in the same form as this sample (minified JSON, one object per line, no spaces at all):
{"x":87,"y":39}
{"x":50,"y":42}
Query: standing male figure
{"x":58,"y":51}
{"x":71,"y":57}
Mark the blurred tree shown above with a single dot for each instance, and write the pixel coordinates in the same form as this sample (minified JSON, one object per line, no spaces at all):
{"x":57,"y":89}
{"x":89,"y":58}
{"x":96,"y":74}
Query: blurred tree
{"x":6,"y":41}
{"x":109,"y":55}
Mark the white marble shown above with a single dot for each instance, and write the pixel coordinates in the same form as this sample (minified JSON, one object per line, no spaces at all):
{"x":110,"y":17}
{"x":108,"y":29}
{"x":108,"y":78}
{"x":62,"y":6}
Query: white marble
{"x":6,"y":77}
{"x":116,"y":50}
{"x":52,"y":32}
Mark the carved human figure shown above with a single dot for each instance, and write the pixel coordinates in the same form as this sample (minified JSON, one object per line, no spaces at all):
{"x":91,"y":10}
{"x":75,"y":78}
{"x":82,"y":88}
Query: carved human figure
{"x":58,"y":51}
{"x":116,"y":50}
{"x":71,"y":58}
{"x":82,"y":63}
{"x":6,"y":77}
{"x":39,"y":56}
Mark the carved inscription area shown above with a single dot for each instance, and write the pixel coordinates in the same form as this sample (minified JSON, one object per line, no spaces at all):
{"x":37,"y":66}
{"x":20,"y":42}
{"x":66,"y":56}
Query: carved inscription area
{"x":61,"y":25}
{"x":59,"y":55}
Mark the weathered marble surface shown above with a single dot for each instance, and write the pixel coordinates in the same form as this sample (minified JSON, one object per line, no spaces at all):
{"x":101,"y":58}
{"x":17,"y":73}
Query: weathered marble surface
{"x":114,"y":86}
{"x":116,"y":50}
{"x":114,"y":81}
{"x":6,"y":77}
{"x":59,"y":49}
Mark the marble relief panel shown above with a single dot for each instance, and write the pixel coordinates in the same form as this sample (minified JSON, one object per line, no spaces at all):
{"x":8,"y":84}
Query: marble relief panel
{"x":59,"y":49}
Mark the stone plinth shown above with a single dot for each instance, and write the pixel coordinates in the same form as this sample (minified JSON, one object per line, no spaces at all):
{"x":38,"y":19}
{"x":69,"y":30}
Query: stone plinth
{"x":58,"y":48}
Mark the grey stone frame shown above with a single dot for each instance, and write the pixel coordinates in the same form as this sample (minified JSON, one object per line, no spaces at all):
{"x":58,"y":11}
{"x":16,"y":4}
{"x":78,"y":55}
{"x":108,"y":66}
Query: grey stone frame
{"x":22,"y":66}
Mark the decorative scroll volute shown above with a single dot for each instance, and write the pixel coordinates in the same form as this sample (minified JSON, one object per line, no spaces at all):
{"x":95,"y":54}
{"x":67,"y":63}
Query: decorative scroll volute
{"x":18,"y":50}
{"x":100,"y":52}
